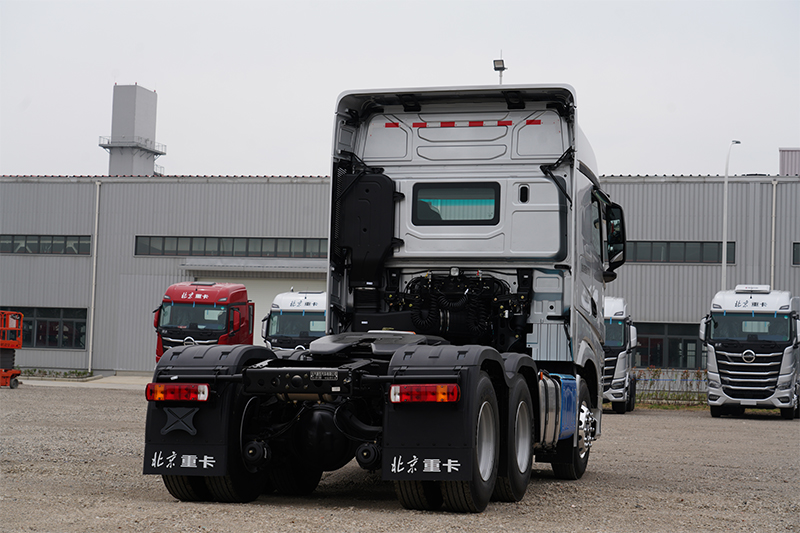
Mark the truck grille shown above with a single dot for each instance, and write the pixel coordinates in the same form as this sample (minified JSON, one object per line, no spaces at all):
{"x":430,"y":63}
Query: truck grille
{"x":609,"y":366}
{"x":749,"y":381}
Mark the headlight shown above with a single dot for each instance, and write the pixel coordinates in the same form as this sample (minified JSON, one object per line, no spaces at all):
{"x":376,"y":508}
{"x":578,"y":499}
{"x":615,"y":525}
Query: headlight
{"x":713,"y":384}
{"x":618,"y":384}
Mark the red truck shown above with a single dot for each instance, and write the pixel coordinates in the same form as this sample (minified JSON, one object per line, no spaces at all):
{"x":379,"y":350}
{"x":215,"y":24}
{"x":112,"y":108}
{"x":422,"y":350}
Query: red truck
{"x":203,"y":313}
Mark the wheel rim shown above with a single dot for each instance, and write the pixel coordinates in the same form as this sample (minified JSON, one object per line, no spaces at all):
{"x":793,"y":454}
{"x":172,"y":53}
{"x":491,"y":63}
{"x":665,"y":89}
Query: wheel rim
{"x":522,"y":432}
{"x":586,"y":429}
{"x":486,"y":441}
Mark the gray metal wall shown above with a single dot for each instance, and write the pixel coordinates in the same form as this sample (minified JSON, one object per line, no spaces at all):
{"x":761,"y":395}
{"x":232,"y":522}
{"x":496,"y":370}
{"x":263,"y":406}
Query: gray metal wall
{"x":130,"y":287}
{"x":690,"y":209}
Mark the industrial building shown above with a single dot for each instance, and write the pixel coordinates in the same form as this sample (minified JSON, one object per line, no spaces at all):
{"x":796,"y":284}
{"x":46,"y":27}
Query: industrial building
{"x":86,"y":259}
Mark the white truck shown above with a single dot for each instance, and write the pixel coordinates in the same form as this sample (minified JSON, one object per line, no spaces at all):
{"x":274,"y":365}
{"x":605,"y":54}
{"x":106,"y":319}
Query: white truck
{"x":470,"y":244}
{"x":294,"y":320}
{"x":619,"y":380}
{"x":752,"y":339}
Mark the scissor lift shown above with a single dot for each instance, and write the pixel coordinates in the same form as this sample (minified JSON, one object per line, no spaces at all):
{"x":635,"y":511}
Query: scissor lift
{"x":10,"y":340}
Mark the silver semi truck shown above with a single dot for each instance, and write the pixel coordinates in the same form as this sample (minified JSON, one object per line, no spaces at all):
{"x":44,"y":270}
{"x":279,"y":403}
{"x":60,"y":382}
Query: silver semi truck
{"x":470,"y":245}
{"x":619,"y":379}
{"x":752,"y":338}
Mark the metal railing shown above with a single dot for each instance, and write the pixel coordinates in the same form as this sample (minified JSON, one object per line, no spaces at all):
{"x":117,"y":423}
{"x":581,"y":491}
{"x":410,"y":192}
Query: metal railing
{"x":135,"y":141}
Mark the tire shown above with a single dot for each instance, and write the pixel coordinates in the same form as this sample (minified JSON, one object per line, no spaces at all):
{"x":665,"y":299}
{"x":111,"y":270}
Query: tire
{"x":632,"y":395}
{"x":240,"y":484}
{"x":473,"y":496}
{"x":579,"y":454}
{"x":419,"y":495}
{"x":620,"y":407}
{"x":13,"y":383}
{"x":187,"y":488}
{"x":787,"y":413}
{"x":716,"y":411}
{"x":291,"y":478}
{"x":516,"y":452}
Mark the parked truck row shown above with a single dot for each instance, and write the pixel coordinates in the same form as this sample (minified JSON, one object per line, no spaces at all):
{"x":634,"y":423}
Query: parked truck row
{"x":470,"y":246}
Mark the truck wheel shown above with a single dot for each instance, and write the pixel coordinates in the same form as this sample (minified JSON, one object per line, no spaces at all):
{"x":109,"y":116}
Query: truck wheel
{"x":787,"y":413}
{"x":620,"y":407}
{"x":13,"y":383}
{"x":241,"y":484}
{"x":516,"y":453}
{"x":187,"y":488}
{"x":578,"y":454}
{"x":632,"y":395}
{"x":473,"y":496}
{"x":419,"y":495}
{"x":716,"y":411}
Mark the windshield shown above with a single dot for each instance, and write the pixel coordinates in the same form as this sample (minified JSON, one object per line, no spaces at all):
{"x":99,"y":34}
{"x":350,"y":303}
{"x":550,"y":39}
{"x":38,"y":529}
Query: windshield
{"x":750,"y":327}
{"x":193,"y":316}
{"x":615,"y":333}
{"x":297,"y":324}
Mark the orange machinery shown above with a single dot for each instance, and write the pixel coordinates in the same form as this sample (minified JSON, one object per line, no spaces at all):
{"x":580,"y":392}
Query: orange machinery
{"x":10,"y":340}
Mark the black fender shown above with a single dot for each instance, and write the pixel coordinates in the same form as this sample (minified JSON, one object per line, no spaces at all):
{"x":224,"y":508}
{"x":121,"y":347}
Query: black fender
{"x":434,"y":441}
{"x":192,"y":438}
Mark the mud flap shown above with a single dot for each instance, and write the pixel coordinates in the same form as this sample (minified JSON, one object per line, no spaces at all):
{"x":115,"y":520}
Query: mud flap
{"x":433,"y":441}
{"x":191,"y":438}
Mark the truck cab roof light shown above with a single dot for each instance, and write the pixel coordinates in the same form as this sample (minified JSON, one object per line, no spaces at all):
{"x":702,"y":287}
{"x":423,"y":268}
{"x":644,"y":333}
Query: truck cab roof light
{"x":425,"y":393}
{"x":183,"y":392}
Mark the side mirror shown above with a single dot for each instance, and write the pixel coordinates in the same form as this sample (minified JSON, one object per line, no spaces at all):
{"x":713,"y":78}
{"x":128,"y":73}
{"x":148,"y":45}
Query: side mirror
{"x":156,"y":317}
{"x":797,"y":330}
{"x":264,"y":322}
{"x":702,"y":332}
{"x":634,"y":338}
{"x":615,"y":231}
{"x":236,"y":319}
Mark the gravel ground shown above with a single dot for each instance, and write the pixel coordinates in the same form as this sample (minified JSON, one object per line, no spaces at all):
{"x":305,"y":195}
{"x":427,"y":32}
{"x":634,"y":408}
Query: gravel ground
{"x":71,"y":461}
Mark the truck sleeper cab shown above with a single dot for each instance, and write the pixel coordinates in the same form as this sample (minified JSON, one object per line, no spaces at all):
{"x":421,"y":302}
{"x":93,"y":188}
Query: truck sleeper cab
{"x":619,"y":380}
{"x":203,"y":313}
{"x":470,"y":246}
{"x":752,"y":337}
{"x":295,"y":319}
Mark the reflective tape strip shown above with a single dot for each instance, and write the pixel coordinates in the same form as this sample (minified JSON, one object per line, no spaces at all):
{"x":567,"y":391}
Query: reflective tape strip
{"x":463,"y":124}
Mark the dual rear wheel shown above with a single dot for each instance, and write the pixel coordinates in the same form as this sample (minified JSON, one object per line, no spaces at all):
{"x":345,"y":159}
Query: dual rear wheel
{"x":501,"y":468}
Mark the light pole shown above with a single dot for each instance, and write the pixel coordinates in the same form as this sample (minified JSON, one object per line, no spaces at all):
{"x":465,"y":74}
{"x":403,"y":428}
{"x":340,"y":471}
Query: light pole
{"x":725,"y":218}
{"x":500,"y":66}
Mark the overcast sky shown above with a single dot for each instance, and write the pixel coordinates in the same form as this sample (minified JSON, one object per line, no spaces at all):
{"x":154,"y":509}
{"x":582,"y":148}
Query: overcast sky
{"x":248,"y":88}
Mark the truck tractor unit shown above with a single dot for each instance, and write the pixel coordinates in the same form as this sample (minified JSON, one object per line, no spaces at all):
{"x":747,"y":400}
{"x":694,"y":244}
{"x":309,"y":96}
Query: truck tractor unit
{"x":203,"y":313}
{"x":619,"y":380}
{"x":295,"y":319}
{"x":470,"y":244}
{"x":752,"y":339}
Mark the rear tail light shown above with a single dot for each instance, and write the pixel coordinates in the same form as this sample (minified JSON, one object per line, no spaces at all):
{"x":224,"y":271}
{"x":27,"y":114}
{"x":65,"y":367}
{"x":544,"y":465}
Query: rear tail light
{"x":185,"y":392}
{"x":424,"y":393}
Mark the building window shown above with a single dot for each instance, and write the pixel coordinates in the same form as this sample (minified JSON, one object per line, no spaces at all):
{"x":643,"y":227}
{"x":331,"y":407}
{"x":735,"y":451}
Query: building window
{"x":796,"y":253}
{"x":679,"y":252}
{"x":46,"y":244}
{"x":230,"y":247}
{"x":669,"y":346}
{"x":52,"y":327}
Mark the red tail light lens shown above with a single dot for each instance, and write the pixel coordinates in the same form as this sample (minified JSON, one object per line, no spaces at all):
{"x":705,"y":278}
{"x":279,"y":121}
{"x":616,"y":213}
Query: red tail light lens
{"x":185,"y":392}
{"x":422,"y":393}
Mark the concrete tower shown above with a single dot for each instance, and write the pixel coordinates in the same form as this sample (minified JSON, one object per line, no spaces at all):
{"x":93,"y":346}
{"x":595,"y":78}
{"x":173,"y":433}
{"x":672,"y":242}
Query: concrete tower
{"x":132,"y":148}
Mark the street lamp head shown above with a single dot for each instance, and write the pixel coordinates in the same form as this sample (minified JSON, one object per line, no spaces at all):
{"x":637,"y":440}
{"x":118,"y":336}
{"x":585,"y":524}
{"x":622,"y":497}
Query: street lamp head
{"x":499,"y":65}
{"x":736,"y":142}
